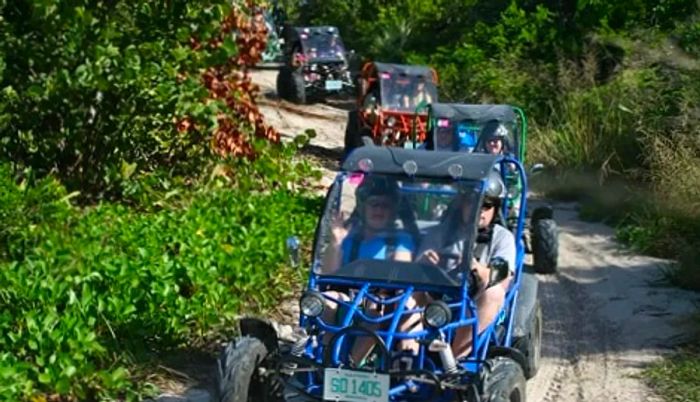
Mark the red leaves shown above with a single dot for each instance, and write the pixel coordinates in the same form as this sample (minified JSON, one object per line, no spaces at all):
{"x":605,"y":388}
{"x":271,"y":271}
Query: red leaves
{"x":232,"y":83}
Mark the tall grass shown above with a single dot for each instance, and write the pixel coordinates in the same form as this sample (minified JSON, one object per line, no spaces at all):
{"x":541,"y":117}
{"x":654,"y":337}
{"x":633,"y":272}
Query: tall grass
{"x":629,"y":148}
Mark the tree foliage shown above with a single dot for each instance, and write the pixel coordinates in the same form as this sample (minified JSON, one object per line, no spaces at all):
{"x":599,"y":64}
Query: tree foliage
{"x":97,"y":91}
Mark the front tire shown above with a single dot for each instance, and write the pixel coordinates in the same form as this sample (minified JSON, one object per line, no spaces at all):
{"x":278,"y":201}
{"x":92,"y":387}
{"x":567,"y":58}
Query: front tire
{"x":531,"y":344}
{"x":290,"y":85}
{"x":237,"y":379}
{"x":505,"y":381}
{"x":545,"y":246}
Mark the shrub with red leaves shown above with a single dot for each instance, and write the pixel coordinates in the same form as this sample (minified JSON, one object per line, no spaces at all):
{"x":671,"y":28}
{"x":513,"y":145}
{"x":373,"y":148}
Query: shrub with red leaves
{"x":231,"y":83}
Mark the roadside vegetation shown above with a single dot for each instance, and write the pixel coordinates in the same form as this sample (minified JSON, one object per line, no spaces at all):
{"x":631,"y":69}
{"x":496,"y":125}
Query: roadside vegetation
{"x":143,"y":200}
{"x":677,"y":377}
{"x":144,"y":204}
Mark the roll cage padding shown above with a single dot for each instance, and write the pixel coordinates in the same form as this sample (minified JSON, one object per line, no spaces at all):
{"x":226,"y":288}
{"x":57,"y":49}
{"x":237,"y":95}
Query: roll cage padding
{"x":477,"y":113}
{"x":375,"y":68}
{"x":434,"y":164}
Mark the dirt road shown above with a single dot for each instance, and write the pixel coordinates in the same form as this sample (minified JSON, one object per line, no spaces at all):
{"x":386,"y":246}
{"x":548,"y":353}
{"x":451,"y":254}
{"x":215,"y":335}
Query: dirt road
{"x":607,"y":314}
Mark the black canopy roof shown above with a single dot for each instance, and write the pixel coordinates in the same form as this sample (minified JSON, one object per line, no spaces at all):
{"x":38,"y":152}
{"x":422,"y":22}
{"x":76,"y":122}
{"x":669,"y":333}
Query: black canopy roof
{"x":438,"y":164}
{"x":410,"y":70}
{"x":477,"y":113}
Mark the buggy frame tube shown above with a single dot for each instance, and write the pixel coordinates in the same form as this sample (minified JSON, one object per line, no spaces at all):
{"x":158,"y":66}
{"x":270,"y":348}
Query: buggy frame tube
{"x":523,"y":134}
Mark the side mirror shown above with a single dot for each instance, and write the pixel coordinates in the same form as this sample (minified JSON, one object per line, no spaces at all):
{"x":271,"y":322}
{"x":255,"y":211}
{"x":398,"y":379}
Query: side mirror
{"x":499,"y":270}
{"x":293,"y":250}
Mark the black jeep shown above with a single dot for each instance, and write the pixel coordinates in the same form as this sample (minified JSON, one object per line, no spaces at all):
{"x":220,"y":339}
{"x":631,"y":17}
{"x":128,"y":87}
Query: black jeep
{"x":315,"y":64}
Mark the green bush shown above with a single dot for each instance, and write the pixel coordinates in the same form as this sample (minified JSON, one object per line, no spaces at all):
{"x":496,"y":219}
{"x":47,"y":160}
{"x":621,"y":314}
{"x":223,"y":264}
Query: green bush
{"x":676,"y":378}
{"x":689,"y":37}
{"x":99,"y":285}
{"x":90,"y":91}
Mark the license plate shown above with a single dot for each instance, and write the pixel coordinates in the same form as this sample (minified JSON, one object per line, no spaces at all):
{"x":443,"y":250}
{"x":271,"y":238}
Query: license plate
{"x":355,"y":386}
{"x":334,"y":85}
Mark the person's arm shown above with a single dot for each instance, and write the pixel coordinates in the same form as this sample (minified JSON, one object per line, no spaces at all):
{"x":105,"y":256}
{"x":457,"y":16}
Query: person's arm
{"x":503,"y":246}
{"x":333,"y":255}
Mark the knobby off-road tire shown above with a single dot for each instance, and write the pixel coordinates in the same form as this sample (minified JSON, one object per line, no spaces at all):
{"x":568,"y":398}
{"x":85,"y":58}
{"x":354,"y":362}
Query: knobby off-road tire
{"x":281,"y":84}
{"x":290,"y":85}
{"x":505,"y":381}
{"x":531,"y":344}
{"x":237,"y":377}
{"x":545,"y":246}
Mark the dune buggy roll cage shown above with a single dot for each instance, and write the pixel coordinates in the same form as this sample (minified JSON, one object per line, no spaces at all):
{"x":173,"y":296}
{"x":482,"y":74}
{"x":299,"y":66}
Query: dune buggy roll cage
{"x":479,"y":114}
{"x":312,"y":357}
{"x":402,"y":122}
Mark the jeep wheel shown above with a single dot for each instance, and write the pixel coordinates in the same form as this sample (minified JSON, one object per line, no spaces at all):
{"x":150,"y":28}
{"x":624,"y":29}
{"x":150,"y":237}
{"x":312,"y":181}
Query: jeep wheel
{"x":290,"y":85}
{"x":545,"y":246}
{"x":505,"y":381}
{"x":281,"y":84}
{"x":531,"y":344}
{"x":237,"y":377}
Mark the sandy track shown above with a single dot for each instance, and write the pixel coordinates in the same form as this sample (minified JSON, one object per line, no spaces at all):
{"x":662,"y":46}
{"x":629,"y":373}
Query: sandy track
{"x":607,"y":314}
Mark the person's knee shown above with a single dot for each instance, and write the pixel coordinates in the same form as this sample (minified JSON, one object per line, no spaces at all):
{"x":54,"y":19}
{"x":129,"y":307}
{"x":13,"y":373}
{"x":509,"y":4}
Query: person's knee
{"x":333,"y":297}
{"x":332,"y":301}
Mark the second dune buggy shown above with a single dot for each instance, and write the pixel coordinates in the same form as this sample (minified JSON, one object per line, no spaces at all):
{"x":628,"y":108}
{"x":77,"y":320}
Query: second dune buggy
{"x":391,"y":104}
{"x":372,"y":298}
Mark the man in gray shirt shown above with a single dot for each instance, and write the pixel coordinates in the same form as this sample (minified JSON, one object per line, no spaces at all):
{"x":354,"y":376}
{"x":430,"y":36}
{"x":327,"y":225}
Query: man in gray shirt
{"x":444,"y":246}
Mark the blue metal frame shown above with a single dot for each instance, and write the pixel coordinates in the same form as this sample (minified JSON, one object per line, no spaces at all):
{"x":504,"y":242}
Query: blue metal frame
{"x":457,"y":298}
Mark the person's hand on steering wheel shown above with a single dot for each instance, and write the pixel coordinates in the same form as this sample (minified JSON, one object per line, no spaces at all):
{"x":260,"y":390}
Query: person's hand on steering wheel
{"x":435,"y":257}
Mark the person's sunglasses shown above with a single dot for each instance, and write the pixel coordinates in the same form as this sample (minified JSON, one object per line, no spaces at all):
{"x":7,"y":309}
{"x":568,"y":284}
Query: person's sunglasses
{"x":487,"y":206}
{"x":379,"y":204}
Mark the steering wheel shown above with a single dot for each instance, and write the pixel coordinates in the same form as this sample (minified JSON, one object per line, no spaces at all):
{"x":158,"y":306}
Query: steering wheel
{"x":449,"y":255}
{"x":473,"y":279}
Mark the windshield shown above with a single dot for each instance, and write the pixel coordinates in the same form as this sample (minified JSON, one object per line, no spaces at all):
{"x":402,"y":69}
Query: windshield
{"x":468,"y":135}
{"x":404,"y":92}
{"x":375,"y":227}
{"x":322,"y":45}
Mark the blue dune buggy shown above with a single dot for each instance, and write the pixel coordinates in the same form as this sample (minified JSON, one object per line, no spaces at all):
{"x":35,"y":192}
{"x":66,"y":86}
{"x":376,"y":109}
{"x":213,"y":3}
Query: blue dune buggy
{"x":315,"y":363}
{"x":470,"y":128}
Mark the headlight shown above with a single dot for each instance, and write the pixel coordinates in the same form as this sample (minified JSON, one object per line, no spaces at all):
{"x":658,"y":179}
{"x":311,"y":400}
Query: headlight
{"x":391,"y":121}
{"x":437,"y":314}
{"x":311,"y":304}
